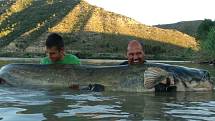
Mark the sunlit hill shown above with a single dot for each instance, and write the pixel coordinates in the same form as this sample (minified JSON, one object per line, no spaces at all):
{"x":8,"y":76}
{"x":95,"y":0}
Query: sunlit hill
{"x":88,"y":31}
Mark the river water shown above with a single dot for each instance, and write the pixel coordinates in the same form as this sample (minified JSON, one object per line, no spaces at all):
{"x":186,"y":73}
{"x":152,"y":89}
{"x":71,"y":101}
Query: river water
{"x":18,"y":104}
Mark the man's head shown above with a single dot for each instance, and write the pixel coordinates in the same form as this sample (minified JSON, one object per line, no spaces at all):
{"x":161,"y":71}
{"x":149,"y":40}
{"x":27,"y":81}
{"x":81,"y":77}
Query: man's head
{"x":135,"y":53}
{"x":55,"y":47}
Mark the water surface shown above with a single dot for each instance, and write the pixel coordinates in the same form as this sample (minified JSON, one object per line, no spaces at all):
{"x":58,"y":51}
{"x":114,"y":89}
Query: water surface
{"x":18,"y":104}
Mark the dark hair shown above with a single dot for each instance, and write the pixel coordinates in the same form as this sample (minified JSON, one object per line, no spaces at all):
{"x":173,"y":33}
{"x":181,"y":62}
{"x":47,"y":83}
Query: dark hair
{"x":54,"y":40}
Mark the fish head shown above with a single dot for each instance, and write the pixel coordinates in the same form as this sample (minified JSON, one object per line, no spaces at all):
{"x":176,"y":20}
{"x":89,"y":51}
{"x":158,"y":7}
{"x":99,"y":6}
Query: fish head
{"x":183,"y":80}
{"x":194,"y":80}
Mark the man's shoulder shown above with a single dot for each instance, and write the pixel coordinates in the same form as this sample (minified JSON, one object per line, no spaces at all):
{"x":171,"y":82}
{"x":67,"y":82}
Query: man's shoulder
{"x":45,"y":60}
{"x":72,"y":59}
{"x":68,"y":59}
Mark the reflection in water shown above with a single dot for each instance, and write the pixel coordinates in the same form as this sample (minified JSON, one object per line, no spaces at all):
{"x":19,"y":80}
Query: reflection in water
{"x":193,"y":106}
{"x":192,"y":111}
{"x":21,"y":97}
{"x":14,"y":100}
{"x":64,"y":105}
{"x":93,"y":105}
{"x":92,"y":96}
{"x":95,"y":111}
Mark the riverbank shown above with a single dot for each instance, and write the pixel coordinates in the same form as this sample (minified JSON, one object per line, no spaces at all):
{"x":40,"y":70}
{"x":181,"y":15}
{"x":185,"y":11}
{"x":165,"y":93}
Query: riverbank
{"x":84,"y":61}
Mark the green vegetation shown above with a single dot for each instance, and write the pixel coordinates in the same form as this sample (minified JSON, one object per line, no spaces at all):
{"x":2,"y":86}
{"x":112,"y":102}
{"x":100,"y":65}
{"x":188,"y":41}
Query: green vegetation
{"x":209,"y":43}
{"x":88,"y":31}
{"x":188,"y":27}
{"x":3,"y":63}
{"x":204,"y":29}
{"x":206,"y":37}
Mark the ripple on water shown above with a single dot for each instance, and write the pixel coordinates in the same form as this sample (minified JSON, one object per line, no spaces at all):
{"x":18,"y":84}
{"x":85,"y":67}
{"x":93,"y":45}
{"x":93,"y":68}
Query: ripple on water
{"x":12,"y":114}
{"x":83,"y":107}
{"x":87,"y":97}
{"x":20,"y":97}
{"x":95,"y":111}
{"x":192,"y":110}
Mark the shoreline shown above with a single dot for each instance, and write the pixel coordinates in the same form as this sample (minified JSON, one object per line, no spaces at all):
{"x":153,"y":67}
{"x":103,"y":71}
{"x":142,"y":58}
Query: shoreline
{"x":12,"y":59}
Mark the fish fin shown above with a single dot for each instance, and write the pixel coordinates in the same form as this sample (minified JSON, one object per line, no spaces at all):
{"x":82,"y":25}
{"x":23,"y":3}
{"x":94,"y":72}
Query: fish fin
{"x":153,"y":76}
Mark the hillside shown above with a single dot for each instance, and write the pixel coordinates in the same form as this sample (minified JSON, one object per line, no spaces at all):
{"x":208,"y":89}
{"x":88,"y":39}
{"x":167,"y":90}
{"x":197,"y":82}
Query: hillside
{"x":88,"y":31}
{"x":5,"y":5}
{"x":188,"y":27}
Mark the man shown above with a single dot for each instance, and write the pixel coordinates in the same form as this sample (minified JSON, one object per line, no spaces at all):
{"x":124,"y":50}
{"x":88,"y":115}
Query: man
{"x":135,"y":53}
{"x":56,"y":53}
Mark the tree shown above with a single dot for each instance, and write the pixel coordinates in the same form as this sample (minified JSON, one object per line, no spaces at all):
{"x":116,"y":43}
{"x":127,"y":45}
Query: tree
{"x":208,"y":44}
{"x":204,"y":28}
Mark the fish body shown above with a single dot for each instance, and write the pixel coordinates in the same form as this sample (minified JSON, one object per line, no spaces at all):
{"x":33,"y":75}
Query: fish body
{"x":129,"y":78}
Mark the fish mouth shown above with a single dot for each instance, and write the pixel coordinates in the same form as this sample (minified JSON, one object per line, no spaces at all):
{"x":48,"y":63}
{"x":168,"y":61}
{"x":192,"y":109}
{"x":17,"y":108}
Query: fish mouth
{"x":200,"y":82}
{"x":203,"y":83}
{"x":205,"y":75}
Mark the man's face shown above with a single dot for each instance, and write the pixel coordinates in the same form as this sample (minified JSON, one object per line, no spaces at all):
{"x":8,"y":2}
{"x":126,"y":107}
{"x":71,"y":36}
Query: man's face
{"x":55,"y":54}
{"x":135,"y":54}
